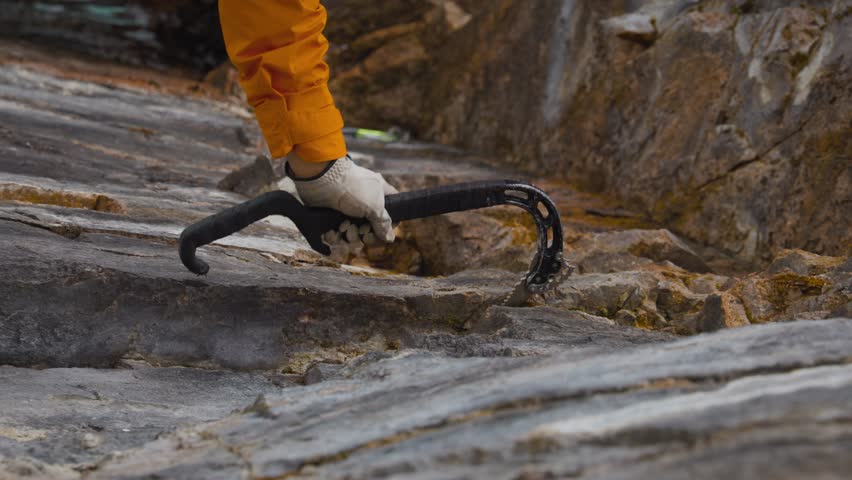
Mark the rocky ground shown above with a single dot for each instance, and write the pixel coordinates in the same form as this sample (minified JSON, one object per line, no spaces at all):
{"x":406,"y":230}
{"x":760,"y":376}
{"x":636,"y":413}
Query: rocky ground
{"x":118,"y":363}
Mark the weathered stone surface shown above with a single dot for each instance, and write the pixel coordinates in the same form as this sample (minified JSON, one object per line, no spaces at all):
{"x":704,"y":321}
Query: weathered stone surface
{"x":320,"y":372}
{"x":704,"y":402}
{"x":659,"y":296}
{"x":382,"y":55}
{"x":405,"y":376}
{"x":521,"y":332}
{"x":251,"y":180}
{"x":627,"y":249}
{"x":722,"y":311}
{"x":70,"y":270}
{"x":499,"y":237}
{"x":536,"y":331}
{"x":726,"y":122}
{"x":76,"y":416}
{"x":606,"y":294}
{"x":801,"y":262}
{"x":785,"y":296}
{"x":638,"y":27}
{"x":249,"y":312}
{"x":34,"y":470}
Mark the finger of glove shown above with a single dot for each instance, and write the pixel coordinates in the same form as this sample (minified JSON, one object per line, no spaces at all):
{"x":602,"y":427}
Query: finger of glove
{"x":382,"y":226}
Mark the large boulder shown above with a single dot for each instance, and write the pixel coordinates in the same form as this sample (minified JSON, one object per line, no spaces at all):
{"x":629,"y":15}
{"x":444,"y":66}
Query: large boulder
{"x":768,"y":399}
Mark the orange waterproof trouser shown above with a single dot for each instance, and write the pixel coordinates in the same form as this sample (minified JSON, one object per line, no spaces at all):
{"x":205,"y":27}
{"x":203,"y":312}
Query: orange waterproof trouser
{"x":278,"y":47}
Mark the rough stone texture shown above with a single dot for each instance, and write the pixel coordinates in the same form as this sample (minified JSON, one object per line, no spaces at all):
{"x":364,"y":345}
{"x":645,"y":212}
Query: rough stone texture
{"x":76,"y":415}
{"x":730,"y":402}
{"x":404,"y":375}
{"x":788,"y":295}
{"x":801,"y":262}
{"x":74,"y":265}
{"x":59,"y":293}
{"x":627,"y":249}
{"x":320,"y":372}
{"x":382,"y":55}
{"x":251,"y":180}
{"x":727,"y":122}
{"x":634,"y":290}
{"x":460,"y":241}
{"x":132,"y":203}
{"x":520,"y":332}
{"x":722,"y":311}
{"x":536,"y":331}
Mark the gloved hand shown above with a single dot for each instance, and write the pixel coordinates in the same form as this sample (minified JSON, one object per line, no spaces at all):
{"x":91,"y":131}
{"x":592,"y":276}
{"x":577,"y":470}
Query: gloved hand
{"x":353,"y":191}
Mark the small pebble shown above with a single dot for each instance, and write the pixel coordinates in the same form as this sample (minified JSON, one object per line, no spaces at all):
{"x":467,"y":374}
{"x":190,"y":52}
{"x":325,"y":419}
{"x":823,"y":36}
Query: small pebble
{"x":91,"y":440}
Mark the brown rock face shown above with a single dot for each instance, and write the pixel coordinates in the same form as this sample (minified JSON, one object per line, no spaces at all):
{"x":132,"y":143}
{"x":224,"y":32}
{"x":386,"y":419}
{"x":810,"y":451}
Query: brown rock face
{"x":729,"y":123}
{"x":383,"y":54}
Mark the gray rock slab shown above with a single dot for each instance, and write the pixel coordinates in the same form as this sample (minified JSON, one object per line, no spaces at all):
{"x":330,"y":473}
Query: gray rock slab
{"x":517,"y":332}
{"x":118,"y":122}
{"x":86,"y":288}
{"x":774,"y":389}
{"x":97,"y":298}
{"x":77,"y":415}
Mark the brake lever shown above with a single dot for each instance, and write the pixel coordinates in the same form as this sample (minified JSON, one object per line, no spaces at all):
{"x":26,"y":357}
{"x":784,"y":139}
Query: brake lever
{"x":314,"y":222}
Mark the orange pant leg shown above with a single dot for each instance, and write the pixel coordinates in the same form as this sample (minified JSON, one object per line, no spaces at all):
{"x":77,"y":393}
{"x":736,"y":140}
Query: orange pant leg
{"x":278,"y":48}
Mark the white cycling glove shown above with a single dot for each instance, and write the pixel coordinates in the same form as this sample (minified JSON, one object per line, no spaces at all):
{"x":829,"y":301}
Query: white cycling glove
{"x":353,"y":191}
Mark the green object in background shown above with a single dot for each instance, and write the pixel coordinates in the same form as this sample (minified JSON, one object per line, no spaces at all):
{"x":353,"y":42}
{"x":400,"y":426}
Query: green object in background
{"x":368,"y":134}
